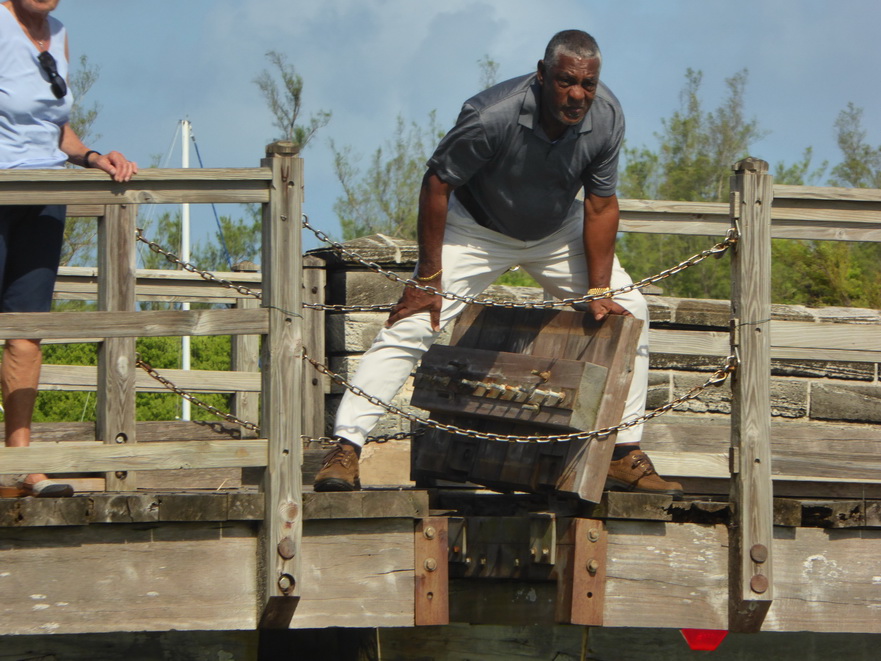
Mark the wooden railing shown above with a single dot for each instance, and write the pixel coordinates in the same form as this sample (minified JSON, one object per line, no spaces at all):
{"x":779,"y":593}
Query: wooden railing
{"x":278,"y":186}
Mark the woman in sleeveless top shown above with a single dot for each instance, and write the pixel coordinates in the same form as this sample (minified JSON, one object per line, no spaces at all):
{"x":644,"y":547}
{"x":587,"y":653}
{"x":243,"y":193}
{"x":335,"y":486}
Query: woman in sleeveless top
{"x":35,"y":133}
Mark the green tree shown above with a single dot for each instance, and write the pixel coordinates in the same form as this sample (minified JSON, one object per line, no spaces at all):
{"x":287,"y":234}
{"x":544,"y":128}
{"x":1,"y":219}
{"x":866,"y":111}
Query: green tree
{"x":79,"y":233}
{"x":861,"y":163}
{"x":383,"y":199}
{"x":817,"y":273}
{"x":282,"y":90}
{"x":692,"y":163}
{"x":489,"y":72}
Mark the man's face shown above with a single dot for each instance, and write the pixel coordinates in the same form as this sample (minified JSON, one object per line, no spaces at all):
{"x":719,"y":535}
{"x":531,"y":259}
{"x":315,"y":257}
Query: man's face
{"x":567,"y":89}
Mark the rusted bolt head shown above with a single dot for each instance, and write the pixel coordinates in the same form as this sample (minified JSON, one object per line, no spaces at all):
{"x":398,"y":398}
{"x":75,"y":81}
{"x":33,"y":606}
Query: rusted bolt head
{"x":593,"y":535}
{"x":759,"y":583}
{"x":593,"y":566}
{"x":758,"y":553}
{"x":429,"y":532}
{"x":430,"y":564}
{"x":287,"y":549}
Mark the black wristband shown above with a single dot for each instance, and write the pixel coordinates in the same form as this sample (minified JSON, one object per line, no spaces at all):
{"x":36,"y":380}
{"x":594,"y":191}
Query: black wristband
{"x":86,"y":157}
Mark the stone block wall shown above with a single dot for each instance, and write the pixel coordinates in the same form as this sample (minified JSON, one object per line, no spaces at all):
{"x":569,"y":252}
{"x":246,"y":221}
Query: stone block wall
{"x":802,"y":390}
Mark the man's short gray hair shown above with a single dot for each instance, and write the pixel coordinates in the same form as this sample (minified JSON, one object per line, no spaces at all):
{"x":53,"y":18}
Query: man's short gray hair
{"x":574,"y":43}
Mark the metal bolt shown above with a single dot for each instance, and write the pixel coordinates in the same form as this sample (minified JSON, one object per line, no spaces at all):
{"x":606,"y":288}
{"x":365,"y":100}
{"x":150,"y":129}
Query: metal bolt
{"x":758,"y":553}
{"x":759,"y":583}
{"x":593,"y":535}
{"x":286,"y":583}
{"x":483,"y":561}
{"x":593,"y":566}
{"x":545,"y":553}
{"x":121,"y":475}
{"x":287,"y":549}
{"x":429,"y":532}
{"x":430,"y":564}
{"x":121,"y":438}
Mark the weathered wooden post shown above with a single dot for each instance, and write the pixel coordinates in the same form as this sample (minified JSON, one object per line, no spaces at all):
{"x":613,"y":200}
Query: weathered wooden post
{"x":751,"y":534}
{"x":282,"y":374}
{"x":116,"y":366}
{"x":244,"y":358}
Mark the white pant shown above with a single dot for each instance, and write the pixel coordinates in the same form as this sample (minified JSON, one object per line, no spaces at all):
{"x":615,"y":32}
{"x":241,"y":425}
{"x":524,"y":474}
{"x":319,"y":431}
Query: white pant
{"x":473,"y":258}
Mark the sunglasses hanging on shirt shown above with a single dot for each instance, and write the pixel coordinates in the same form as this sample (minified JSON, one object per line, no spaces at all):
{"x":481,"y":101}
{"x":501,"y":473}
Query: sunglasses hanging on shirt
{"x":47,"y":62}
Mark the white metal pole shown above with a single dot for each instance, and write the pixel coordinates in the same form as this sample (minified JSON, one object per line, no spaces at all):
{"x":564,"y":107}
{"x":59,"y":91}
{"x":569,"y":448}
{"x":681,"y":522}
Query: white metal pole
{"x":185,"y":256}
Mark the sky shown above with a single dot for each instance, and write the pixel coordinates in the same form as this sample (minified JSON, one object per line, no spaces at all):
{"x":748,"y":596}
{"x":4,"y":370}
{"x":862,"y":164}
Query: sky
{"x":370,"y":61}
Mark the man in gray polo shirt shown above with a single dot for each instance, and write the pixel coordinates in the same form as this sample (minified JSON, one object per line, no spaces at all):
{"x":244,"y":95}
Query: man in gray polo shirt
{"x":500,"y":191}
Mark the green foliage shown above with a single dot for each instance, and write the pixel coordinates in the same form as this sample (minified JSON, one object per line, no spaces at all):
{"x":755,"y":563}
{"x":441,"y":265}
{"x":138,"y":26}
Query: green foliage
{"x":489,"y":72}
{"x":861,"y":163}
{"x":242,"y":238}
{"x":800,"y":173}
{"x":384,"y":198}
{"x":693,"y":163}
{"x":79,"y":233}
{"x":285,"y":100}
{"x":817,"y":273}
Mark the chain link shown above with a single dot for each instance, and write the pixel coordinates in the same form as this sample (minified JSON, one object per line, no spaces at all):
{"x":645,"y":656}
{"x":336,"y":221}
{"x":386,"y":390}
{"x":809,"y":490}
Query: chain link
{"x":229,"y":417}
{"x":187,"y":266}
{"x":717,"y":251}
{"x":716,"y":379}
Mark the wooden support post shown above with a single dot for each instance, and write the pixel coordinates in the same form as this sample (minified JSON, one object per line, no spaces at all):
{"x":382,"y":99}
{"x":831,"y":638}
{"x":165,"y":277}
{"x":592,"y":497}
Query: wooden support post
{"x":245,"y":354}
{"x":431,"y":572}
{"x":581,"y":573}
{"x":116,"y":356}
{"x":314,"y":385}
{"x":282,"y":374}
{"x":751,"y":532}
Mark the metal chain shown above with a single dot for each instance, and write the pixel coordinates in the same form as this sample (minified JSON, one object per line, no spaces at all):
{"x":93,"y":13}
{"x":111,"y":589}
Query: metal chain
{"x":717,"y":250}
{"x":718,"y":378}
{"x":229,"y":417}
{"x":187,"y":266}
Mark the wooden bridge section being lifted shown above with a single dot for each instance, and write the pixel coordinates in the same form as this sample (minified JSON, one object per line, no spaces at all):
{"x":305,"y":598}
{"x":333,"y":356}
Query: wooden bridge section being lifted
{"x":207,"y":526}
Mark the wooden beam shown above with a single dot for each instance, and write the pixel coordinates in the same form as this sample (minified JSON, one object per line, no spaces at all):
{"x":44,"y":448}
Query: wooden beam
{"x":82,"y":377}
{"x":431,"y":572}
{"x":157,"y":323}
{"x":151,"y":186}
{"x":116,"y":356}
{"x":95,"y":456}
{"x":282,"y":364}
{"x":751,"y":577}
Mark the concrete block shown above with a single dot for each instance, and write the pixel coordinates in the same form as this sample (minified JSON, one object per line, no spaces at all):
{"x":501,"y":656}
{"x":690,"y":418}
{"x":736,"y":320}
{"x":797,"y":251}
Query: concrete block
{"x":846,"y":402}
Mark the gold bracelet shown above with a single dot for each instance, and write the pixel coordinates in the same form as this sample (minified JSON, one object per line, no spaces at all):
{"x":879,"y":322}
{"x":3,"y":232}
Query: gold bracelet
{"x":596,"y":291}
{"x":419,"y":278}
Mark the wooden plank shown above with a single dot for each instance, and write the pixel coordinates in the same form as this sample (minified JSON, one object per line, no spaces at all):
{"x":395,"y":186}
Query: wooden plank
{"x":126,"y":577}
{"x":431,"y":572}
{"x":116,"y":356}
{"x":553,"y":392}
{"x":824,"y":194}
{"x":80,"y":283}
{"x":751,"y":575}
{"x":154,"y":323}
{"x":80,"y":377}
{"x":96,"y":456}
{"x":151,"y":186}
{"x":617,"y":354}
{"x":357,"y":574}
{"x":282,"y":364}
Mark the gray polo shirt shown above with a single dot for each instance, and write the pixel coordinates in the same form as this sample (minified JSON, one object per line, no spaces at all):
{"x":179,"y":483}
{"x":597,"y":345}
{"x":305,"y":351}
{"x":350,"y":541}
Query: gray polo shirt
{"x":510,"y":176}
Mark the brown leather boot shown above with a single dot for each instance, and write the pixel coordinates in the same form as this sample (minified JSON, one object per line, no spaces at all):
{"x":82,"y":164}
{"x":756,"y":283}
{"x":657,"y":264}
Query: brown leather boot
{"x":635,"y":472}
{"x":339,"y":472}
